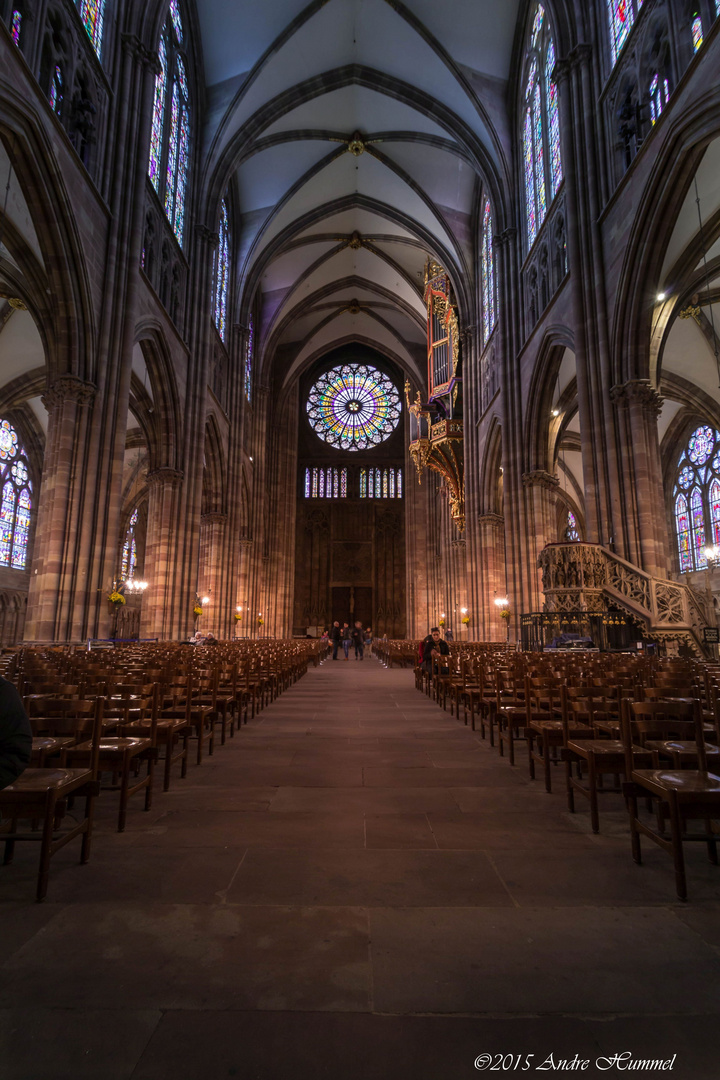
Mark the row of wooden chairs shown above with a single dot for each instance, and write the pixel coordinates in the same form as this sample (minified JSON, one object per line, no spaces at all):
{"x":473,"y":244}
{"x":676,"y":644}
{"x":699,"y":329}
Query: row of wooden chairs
{"x":650,"y":726}
{"x":137,"y":702}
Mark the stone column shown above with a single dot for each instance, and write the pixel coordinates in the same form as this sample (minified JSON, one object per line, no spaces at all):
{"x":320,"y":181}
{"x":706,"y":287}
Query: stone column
{"x":212,"y":576}
{"x":638,"y":406}
{"x":53,"y":587}
{"x":540,"y":500}
{"x":493,"y":581}
{"x":164,"y":592}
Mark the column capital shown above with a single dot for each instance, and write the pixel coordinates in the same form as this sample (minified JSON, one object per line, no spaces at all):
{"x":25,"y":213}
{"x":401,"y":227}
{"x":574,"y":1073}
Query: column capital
{"x":637,"y":392}
{"x":165,"y":475}
{"x":540,"y":478}
{"x":68,"y":388}
{"x":494,"y":521}
{"x":214,"y":518}
{"x":134,"y":47}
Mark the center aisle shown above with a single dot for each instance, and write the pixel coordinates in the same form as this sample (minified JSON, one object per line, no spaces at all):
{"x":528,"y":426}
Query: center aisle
{"x":354,"y":886}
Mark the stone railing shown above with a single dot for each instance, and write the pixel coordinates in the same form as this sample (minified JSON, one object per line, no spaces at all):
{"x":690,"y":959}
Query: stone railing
{"x":588,"y":577}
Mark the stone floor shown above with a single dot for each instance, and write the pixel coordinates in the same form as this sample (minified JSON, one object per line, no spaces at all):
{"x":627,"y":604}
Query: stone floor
{"x":357,"y":886}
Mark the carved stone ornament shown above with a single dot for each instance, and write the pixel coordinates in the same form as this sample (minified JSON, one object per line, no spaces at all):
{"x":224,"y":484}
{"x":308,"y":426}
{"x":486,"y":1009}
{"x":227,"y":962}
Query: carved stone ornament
{"x":638,"y":391}
{"x":165,"y":475}
{"x":540,"y":478}
{"x":214,"y":518}
{"x":356,"y":144}
{"x":68,"y":388}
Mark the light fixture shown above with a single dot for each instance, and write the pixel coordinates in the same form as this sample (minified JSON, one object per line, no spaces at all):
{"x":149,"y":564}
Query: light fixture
{"x":205,"y":600}
{"x":239,"y":607}
{"x":464,"y":610}
{"x":556,"y":412}
{"x":502,"y":601}
{"x":712,"y":554}
{"x":660,"y":297}
{"x":136,"y":586}
{"x":250,"y":459}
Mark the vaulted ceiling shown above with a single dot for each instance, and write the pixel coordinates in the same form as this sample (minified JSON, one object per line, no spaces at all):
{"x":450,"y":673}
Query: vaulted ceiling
{"x":356,"y":138}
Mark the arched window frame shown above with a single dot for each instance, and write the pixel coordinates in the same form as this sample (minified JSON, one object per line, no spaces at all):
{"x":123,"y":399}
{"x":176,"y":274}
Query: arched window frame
{"x":659,"y":95}
{"x":697,"y":30}
{"x":169,"y":160}
{"x":16,"y":499}
{"x":222,"y":272}
{"x":621,"y":19}
{"x":696,"y":498}
{"x":55,"y":96}
{"x":541,"y":154}
{"x":487,"y":273}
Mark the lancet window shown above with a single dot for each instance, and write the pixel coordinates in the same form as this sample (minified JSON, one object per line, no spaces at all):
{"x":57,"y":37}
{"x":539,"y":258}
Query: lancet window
{"x":659,"y":96}
{"x":170,"y":132}
{"x":696,"y":498}
{"x":621,"y":18}
{"x":326,"y":483}
{"x":487,"y":270}
{"x":15,"y":499}
{"x":249,"y":350}
{"x":381,"y":483}
{"x":92,"y":13}
{"x":129,"y":551}
{"x":542,"y":161}
{"x":222,"y":272}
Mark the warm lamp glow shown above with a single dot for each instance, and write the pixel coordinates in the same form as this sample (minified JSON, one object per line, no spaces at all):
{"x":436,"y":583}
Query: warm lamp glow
{"x":502,"y":601}
{"x":205,"y":600}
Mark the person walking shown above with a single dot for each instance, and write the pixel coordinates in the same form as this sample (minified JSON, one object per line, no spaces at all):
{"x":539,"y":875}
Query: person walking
{"x":357,"y":640}
{"x":346,"y":640}
{"x":335,"y":637}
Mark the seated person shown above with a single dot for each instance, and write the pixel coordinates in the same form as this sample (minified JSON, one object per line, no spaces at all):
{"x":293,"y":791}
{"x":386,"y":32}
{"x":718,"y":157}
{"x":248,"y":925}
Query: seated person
{"x":434,"y":648}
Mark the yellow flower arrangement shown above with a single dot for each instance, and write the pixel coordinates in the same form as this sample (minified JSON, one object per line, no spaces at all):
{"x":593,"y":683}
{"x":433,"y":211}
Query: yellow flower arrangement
{"x":466,"y":620}
{"x":260,"y":620}
{"x":116,"y":598}
{"x":505,"y":613}
{"x":197,"y":609}
{"x":238,"y":617}
{"x":441,"y":622}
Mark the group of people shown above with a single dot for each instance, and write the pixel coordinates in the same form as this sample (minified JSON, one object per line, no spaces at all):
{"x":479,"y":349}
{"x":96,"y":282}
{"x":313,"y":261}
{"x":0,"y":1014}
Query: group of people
{"x":357,"y":637}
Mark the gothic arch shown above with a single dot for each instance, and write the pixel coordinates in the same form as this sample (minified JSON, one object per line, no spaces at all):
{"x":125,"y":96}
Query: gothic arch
{"x":164,"y":408}
{"x":538,"y":422}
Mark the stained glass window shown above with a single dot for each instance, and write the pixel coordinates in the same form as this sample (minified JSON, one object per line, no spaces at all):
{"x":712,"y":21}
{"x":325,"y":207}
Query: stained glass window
{"x":328,"y":483}
{"x":659,"y":96}
{"x":682,"y":525}
{"x":488,"y":273}
{"x":222,"y":272}
{"x":571,"y":530}
{"x":129,"y":552}
{"x":56,"y":90}
{"x":542,"y":161}
{"x":621,"y":15}
{"x":553,"y":117}
{"x":158,"y":117}
{"x":91,"y":13}
{"x":354,"y":407}
{"x":249,"y":347}
{"x":697,"y":498}
{"x":715,"y":511}
{"x":16,"y":501}
{"x":381,"y":483}
{"x":697,"y":30}
{"x":169,"y":159}
{"x":15,"y":25}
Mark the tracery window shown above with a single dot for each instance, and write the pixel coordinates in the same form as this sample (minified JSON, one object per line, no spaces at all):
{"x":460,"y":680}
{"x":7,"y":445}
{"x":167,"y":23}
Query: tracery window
{"x":15,"y":499}
{"x":249,"y":349}
{"x":326,"y":483}
{"x":542,"y":161}
{"x":621,"y":17}
{"x":170,"y":132}
{"x":354,"y":407}
{"x":659,"y":96}
{"x":488,"y":274}
{"x":222,"y":272}
{"x":381,"y":483}
{"x":129,"y":551}
{"x":696,"y":498}
{"x":92,"y":14}
{"x":15,"y":25}
{"x":56,"y":90}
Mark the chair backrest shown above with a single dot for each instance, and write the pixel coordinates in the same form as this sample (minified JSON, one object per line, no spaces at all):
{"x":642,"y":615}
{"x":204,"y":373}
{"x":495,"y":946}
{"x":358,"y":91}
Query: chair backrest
{"x":644,"y":720}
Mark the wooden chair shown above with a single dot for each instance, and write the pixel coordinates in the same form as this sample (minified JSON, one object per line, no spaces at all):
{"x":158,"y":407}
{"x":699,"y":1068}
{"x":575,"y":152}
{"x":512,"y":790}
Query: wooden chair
{"x":682,"y":795}
{"x":42,"y":795}
{"x":545,"y":734}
